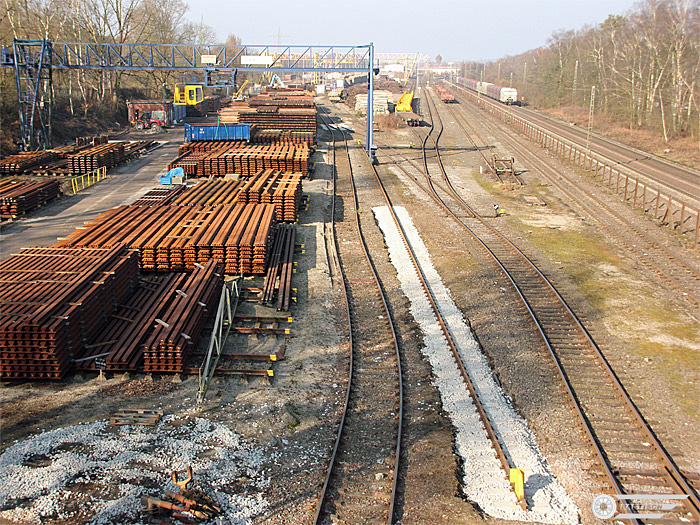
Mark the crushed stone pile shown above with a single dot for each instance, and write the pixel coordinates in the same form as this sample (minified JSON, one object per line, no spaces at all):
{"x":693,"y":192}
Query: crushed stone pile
{"x":96,"y":473}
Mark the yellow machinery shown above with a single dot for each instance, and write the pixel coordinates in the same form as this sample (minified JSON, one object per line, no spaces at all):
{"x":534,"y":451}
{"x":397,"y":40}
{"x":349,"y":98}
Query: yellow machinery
{"x":239,"y":94}
{"x":188,"y":94}
{"x":404,"y":103}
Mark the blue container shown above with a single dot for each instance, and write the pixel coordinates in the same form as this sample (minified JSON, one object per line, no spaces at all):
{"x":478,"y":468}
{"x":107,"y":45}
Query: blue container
{"x":195,"y":132}
{"x":179,"y":113}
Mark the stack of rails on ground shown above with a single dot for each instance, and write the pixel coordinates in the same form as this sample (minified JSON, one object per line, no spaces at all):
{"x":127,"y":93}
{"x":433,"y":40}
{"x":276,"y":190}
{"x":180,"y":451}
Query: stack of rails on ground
{"x":225,"y":267}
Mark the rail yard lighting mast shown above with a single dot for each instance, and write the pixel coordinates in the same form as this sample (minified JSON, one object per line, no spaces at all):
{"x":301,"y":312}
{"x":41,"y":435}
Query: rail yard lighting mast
{"x":34,"y":60}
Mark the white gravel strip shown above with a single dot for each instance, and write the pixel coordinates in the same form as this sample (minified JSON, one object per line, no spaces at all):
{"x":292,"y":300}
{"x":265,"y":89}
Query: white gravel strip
{"x":483,"y":479}
{"x":96,"y":473}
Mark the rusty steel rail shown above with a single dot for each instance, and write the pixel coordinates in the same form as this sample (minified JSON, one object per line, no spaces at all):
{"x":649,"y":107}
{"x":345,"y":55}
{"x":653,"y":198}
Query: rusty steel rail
{"x":174,"y":238}
{"x":18,"y":164}
{"x":569,"y":361}
{"x":159,"y":196}
{"x":53,"y":300}
{"x":284,"y":190}
{"x":271,"y":117}
{"x":18,"y":197}
{"x":278,"y":280}
{"x":244,"y":159}
{"x":178,"y":326}
{"x":342,"y":440}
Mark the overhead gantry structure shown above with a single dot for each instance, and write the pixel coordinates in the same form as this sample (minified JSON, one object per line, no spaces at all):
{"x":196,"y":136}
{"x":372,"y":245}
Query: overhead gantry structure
{"x":34,"y":60}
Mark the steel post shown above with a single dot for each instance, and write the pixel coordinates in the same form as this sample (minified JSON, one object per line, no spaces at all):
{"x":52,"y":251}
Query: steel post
{"x":370,"y":106}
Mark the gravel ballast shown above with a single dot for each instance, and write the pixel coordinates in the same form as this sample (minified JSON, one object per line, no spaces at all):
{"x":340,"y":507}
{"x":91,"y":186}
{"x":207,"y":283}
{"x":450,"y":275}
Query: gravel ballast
{"x":96,"y":473}
{"x":483,"y":480}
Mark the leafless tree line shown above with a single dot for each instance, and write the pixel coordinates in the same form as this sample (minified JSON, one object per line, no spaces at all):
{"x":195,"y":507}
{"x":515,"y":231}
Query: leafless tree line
{"x":111,"y":21}
{"x":645,"y":66}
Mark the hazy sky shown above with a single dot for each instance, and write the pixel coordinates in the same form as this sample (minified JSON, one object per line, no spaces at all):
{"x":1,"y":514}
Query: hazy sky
{"x":465,"y":30}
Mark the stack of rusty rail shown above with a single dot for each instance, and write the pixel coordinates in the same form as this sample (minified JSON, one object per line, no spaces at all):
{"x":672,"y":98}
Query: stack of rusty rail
{"x":159,"y":196}
{"x":180,"y":322}
{"x":96,"y":157}
{"x":284,"y":190}
{"x":278,"y":280}
{"x":300,"y":119}
{"x":236,"y":157}
{"x":289,"y":99}
{"x":213,"y":192}
{"x":275,"y":136}
{"x":173,"y":238}
{"x":137,"y":322}
{"x":52,"y":300}
{"x":204,"y":146}
{"x":17,"y":197}
{"x":22,"y":162}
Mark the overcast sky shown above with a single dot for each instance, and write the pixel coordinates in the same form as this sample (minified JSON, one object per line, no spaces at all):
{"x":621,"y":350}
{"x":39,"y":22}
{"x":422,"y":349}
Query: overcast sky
{"x":457,"y":30}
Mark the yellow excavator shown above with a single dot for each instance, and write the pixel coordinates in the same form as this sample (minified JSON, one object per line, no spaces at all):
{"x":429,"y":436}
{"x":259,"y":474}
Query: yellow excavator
{"x":239,"y":94}
{"x":188,"y":94}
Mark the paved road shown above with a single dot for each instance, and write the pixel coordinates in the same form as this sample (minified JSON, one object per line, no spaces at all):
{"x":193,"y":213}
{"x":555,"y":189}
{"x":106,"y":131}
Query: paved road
{"x":42,"y":227}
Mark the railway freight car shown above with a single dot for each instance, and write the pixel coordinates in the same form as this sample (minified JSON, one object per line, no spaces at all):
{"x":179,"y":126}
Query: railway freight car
{"x":445,"y":94}
{"x":502,"y":94}
{"x":494,"y":91}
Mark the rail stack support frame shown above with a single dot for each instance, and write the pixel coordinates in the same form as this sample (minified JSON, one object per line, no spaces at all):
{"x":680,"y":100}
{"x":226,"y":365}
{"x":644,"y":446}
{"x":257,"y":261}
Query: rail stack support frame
{"x":37,"y":59}
{"x":228,"y":302}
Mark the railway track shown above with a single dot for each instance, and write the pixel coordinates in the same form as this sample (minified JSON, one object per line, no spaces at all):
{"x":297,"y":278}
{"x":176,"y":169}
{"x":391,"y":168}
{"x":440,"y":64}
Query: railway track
{"x":494,"y":445}
{"x":360,"y":484}
{"x":629,"y":454}
{"x":669,"y":174}
{"x":670,"y":269}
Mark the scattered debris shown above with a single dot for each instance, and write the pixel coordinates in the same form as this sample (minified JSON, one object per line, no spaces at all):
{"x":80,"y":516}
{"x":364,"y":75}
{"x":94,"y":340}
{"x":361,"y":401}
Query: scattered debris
{"x":129,"y":416}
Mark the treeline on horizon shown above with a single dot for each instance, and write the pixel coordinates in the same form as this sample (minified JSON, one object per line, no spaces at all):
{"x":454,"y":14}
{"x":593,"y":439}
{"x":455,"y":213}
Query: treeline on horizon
{"x":645,"y":67}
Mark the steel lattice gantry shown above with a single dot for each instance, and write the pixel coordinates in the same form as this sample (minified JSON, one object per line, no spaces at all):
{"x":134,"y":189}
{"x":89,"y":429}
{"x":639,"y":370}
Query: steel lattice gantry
{"x":31,"y":60}
{"x":37,"y":58}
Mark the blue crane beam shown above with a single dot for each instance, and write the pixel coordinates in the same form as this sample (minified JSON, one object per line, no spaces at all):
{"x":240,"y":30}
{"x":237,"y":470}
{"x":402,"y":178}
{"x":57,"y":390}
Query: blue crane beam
{"x":205,"y":58}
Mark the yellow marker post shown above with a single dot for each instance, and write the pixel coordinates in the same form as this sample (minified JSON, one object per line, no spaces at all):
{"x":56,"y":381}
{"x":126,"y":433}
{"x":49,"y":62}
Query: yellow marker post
{"x":270,"y":373}
{"x":517,"y":478}
{"x":273,"y":357}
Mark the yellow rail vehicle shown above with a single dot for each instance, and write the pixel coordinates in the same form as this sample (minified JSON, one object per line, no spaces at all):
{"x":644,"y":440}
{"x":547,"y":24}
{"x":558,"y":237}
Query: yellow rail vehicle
{"x":404,"y":103}
{"x":188,"y":94}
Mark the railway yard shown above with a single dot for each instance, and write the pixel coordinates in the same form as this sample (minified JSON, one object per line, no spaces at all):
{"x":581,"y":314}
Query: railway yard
{"x":494,"y":322}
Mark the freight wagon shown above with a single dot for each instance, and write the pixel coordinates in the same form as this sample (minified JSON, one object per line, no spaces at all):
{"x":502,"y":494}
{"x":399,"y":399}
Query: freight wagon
{"x":496,"y":92}
{"x":502,"y":94}
{"x":445,"y":94}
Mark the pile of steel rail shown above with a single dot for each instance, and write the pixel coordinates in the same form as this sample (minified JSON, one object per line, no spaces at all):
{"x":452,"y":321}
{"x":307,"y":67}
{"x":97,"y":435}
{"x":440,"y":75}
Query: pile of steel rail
{"x":205,"y":146}
{"x":275,"y":136}
{"x":17,"y":197}
{"x":174,"y":238}
{"x":271,"y":117}
{"x":278,"y":280}
{"x":181,"y":320}
{"x":96,"y":157}
{"x":16,"y":164}
{"x":159,"y":196}
{"x":53,"y":300}
{"x":266,"y":187}
{"x":283,"y":99}
{"x":246,"y":160}
{"x":84,"y":157}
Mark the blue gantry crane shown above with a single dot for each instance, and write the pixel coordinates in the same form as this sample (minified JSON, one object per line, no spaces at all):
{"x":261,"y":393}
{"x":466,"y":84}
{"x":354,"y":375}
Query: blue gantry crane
{"x":34,"y":60}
